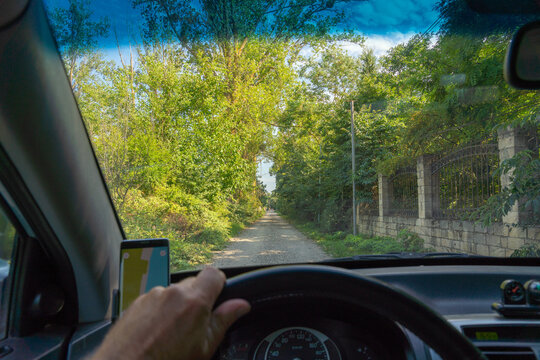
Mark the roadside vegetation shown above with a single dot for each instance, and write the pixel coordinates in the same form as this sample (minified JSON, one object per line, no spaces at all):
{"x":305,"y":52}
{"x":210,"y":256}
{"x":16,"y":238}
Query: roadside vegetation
{"x":434,"y":93}
{"x":343,"y":244}
{"x":180,"y":121}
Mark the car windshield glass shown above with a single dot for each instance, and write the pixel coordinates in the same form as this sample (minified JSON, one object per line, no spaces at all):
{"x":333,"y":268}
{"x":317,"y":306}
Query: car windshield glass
{"x":281,"y":131}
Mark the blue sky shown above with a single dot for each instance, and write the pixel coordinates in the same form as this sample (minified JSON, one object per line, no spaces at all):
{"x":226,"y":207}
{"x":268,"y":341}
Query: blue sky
{"x":381,"y":21}
{"x":380,"y":17}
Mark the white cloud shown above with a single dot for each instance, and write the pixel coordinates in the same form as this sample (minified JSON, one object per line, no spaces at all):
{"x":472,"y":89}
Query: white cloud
{"x":382,"y":43}
{"x":379,"y":43}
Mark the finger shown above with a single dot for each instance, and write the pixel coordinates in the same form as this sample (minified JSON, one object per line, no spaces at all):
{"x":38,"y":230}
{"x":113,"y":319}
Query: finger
{"x":210,"y":282}
{"x":187,"y":282}
{"x":226,"y":314}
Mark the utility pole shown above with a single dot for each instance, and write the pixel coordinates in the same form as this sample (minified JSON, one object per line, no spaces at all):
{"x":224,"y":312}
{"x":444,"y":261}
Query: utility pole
{"x":319,"y":205}
{"x":353,"y":150}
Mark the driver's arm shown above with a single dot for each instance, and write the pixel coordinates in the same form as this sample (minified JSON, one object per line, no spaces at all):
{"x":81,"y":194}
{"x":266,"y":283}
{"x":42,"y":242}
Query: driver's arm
{"x":176,"y":322}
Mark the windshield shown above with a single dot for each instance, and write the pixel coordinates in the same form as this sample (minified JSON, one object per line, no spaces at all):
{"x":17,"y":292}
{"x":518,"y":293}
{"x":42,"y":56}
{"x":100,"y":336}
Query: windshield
{"x":282,"y":131}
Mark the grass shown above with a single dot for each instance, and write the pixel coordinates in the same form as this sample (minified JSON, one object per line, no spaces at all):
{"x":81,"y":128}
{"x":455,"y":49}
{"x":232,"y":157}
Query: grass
{"x":235,"y":228}
{"x":343,"y":244}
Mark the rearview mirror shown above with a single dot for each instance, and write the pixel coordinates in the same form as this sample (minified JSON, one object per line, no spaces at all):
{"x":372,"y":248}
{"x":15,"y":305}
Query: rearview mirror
{"x":522,"y":65}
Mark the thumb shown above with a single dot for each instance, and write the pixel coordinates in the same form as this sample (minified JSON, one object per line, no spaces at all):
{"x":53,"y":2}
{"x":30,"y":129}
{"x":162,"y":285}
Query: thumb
{"x":226,"y":314}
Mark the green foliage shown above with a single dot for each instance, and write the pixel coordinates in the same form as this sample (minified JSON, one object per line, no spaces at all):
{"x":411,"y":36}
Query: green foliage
{"x":527,"y":251}
{"x":342,"y":244}
{"x":410,"y":241}
{"x":76,"y":35}
{"x":194,"y":227}
{"x":429,"y":95}
{"x":524,"y":171}
{"x":389,"y":165}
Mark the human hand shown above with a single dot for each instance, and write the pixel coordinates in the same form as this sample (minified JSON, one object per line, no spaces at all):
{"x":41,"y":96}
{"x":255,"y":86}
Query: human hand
{"x":176,"y":322}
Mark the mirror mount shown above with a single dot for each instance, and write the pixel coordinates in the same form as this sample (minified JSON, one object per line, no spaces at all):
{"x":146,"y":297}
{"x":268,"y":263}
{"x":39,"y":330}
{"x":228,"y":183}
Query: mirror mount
{"x":522,"y":63}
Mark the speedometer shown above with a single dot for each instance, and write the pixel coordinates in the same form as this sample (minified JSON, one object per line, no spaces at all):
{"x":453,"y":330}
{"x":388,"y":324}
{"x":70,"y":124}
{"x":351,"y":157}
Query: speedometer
{"x":297,"y":343}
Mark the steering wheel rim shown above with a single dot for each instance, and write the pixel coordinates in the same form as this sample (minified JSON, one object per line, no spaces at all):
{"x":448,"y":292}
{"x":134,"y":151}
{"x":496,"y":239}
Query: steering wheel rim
{"x":305,"y":282}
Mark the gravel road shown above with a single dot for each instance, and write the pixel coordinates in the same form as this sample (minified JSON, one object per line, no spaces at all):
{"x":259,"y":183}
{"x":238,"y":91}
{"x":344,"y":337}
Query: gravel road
{"x":270,"y":240}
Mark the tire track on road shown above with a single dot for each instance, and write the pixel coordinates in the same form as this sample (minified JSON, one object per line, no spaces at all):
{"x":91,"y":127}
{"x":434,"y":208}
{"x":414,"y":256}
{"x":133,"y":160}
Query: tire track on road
{"x":270,"y":240}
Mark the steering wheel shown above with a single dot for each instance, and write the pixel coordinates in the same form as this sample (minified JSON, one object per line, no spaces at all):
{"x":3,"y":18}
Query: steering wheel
{"x":309,"y":282}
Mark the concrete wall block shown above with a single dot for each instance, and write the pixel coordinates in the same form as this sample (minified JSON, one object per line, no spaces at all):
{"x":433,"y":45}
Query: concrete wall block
{"x":515,"y":243}
{"x":497,"y":251}
{"x":469,"y":248}
{"x":494,"y":229}
{"x":443,"y":224}
{"x":455,"y":225}
{"x":518,"y":232}
{"x":480,"y":228}
{"x":493,"y":240}
{"x":468,"y":226}
{"x":482,"y":250}
{"x":479,"y":238}
{"x":445,"y":242}
{"x":533,"y":233}
{"x":508,"y":252}
{"x":429,"y":242}
{"x":468,"y":236}
{"x":456,"y":246}
{"x":505,"y":230}
{"x":455,"y":235}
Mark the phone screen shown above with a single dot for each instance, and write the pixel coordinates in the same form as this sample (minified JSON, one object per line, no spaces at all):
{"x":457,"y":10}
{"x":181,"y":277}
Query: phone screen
{"x":143,"y":265}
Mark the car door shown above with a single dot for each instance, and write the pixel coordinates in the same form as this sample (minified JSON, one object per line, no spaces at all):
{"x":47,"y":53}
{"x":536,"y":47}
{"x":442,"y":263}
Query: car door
{"x":37,"y":311}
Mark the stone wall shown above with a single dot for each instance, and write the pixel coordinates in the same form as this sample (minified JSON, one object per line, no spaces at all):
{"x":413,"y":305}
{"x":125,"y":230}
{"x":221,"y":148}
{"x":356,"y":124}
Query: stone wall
{"x":453,"y":235}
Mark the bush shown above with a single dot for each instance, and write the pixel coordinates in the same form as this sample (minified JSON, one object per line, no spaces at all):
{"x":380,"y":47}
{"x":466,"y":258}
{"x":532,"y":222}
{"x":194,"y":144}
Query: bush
{"x":334,"y":217}
{"x":342,"y":244}
{"x":194,"y":227}
{"x":410,"y":240}
{"x":527,"y":251}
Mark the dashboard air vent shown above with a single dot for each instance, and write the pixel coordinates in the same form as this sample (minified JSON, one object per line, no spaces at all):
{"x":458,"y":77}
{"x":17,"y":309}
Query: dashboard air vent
{"x":507,"y":352}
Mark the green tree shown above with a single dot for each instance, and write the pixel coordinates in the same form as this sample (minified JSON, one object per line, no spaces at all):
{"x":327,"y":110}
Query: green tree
{"x":76,"y":35}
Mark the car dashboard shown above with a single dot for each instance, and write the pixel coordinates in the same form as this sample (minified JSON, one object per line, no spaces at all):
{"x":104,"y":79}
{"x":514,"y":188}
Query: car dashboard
{"x":314,"y":331}
{"x":463,"y":294}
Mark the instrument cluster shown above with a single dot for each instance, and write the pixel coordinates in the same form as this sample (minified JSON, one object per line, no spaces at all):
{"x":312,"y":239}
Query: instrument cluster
{"x":322,"y":339}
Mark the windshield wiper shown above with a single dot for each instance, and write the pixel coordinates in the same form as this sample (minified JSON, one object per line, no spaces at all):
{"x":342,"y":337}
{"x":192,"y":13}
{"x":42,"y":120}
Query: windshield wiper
{"x":405,"y":255}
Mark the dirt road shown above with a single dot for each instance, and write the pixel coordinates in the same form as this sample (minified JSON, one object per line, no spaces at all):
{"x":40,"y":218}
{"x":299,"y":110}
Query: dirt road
{"x":270,"y":240}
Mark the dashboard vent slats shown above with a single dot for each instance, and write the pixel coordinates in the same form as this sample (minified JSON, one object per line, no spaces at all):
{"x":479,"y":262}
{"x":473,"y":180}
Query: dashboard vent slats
{"x":507,"y":352}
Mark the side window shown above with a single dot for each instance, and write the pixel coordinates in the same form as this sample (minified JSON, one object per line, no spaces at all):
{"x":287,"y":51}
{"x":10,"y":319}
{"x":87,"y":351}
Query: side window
{"x":7,"y":239}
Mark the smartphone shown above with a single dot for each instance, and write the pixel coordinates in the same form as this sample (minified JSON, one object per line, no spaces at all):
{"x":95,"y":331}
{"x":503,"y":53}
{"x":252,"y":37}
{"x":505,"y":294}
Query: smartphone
{"x":144,"y":264}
